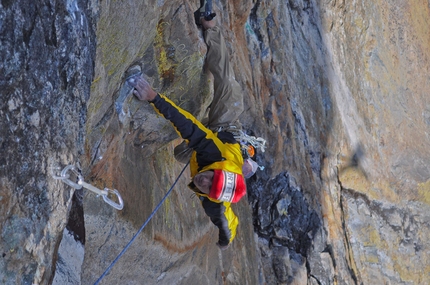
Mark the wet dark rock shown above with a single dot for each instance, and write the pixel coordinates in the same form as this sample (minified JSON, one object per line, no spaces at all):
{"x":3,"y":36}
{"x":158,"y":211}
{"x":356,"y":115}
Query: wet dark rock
{"x":283,"y":215}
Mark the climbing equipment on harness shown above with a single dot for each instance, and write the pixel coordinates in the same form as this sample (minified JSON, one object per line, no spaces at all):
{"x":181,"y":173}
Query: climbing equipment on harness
{"x":248,"y":144}
{"x":250,"y":167}
{"x":250,"y":150}
{"x":245,"y":140}
{"x":65,"y":177}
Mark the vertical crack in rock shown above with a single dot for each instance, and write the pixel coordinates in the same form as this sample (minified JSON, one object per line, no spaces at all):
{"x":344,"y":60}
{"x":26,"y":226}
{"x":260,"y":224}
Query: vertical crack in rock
{"x":256,"y":25}
{"x":315,"y":278}
{"x":348,"y":248}
{"x":329,"y":250}
{"x":76,"y":224}
{"x":383,"y":234}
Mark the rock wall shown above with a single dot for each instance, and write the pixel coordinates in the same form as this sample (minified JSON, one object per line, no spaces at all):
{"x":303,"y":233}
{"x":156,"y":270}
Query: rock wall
{"x":338,"y":89}
{"x":379,"y":51}
{"x":130,"y":148}
{"x":46,"y":70}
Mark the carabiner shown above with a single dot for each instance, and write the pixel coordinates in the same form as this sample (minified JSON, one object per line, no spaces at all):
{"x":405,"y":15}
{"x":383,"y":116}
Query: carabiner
{"x":118,"y":205}
{"x":90,"y":187}
{"x":82,"y":184}
{"x":65,"y":177}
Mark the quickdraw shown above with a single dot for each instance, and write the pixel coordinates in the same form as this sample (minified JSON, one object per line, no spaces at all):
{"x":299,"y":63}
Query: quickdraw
{"x":65,"y":177}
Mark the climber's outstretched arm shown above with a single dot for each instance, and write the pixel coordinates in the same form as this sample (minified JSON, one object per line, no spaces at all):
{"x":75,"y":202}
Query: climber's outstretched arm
{"x":206,"y":144}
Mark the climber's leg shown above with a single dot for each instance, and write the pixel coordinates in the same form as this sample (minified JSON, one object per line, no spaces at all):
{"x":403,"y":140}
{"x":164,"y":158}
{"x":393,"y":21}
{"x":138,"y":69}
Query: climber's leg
{"x":227,"y":104}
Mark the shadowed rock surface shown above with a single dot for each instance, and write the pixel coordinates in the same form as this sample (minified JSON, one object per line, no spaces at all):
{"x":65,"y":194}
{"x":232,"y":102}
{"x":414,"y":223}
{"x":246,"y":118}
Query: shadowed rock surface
{"x":339,"y":89}
{"x":46,"y":69}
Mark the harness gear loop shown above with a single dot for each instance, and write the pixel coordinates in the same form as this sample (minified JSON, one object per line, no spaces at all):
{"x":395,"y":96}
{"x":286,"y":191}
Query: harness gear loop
{"x":65,"y":177}
{"x":245,"y":139}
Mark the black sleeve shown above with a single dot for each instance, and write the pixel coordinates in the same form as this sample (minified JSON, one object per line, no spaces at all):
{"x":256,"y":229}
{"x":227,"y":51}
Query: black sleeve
{"x":215,"y":211}
{"x":199,"y":138}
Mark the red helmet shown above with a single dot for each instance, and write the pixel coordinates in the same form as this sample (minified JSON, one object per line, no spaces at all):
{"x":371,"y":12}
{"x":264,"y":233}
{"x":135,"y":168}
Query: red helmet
{"x":227,"y":186}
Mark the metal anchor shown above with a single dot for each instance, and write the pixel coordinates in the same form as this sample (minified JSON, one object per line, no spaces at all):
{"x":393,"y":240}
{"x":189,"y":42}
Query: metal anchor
{"x":65,"y":177}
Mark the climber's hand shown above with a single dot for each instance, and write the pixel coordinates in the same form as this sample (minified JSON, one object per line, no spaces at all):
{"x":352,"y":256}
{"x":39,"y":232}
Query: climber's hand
{"x":142,"y":89}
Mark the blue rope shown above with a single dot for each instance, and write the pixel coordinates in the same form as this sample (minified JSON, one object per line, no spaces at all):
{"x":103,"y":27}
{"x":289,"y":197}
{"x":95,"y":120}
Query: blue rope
{"x":141,"y":228}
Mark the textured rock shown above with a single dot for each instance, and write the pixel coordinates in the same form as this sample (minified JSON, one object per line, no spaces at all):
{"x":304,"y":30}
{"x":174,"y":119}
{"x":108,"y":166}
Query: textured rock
{"x":283,"y":216}
{"x":338,"y":88}
{"x":68,"y":267}
{"x":379,"y":51}
{"x":46,"y":70}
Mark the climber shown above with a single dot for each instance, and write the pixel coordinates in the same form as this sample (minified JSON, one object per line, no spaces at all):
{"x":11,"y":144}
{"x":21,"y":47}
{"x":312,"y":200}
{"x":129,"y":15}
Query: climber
{"x":215,"y":156}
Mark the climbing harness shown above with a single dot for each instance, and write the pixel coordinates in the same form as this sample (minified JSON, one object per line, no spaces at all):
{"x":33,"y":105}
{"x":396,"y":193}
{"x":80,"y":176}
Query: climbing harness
{"x":141,"y":228}
{"x":65,"y":177}
{"x":244,"y":139}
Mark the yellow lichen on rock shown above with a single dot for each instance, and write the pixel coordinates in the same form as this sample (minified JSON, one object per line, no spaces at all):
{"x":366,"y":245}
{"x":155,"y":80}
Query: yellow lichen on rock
{"x":424,"y":192}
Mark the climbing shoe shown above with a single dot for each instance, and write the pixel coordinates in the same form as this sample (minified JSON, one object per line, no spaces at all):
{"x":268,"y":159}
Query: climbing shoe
{"x":205,"y":11}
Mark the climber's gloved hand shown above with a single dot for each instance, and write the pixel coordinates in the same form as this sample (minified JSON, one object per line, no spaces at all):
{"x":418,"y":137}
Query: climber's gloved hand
{"x":222,"y":247}
{"x":142,"y":90}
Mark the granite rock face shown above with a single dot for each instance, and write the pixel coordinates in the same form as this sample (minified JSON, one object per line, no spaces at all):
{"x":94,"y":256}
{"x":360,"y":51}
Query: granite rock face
{"x":338,"y":89}
{"x":381,"y":59}
{"x":46,"y":70}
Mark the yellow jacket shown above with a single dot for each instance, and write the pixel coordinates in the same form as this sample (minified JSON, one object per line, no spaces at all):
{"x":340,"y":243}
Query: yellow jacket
{"x":211,"y":151}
